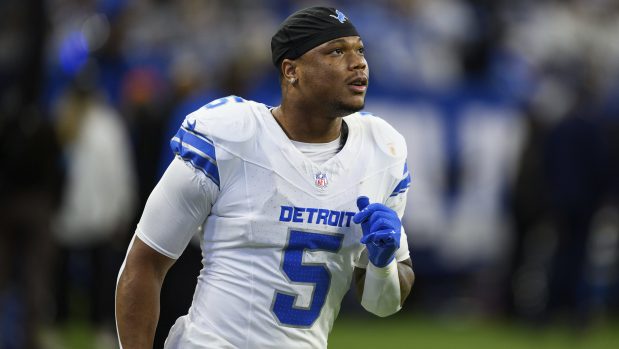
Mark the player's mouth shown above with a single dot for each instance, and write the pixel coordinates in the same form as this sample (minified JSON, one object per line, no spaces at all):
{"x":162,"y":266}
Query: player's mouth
{"x":358,"y":84}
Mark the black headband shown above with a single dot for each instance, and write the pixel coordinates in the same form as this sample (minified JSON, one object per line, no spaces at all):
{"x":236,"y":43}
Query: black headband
{"x":306,"y":29}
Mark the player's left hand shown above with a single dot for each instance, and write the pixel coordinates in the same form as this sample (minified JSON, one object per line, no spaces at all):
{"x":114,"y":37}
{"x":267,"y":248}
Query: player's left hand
{"x":381,"y":231}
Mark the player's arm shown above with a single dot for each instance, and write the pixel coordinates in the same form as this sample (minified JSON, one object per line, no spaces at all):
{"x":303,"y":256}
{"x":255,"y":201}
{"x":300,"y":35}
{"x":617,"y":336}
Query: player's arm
{"x":137,"y":295}
{"x":178,"y":205}
{"x":386,"y":282}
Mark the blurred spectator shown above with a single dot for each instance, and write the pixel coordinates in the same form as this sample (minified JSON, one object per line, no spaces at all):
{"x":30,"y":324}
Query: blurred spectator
{"x":30,"y":180}
{"x":146,"y":108}
{"x":565,"y":173}
{"x":97,"y":206}
{"x":575,"y":161}
{"x":526,"y":280}
{"x":30,"y":176}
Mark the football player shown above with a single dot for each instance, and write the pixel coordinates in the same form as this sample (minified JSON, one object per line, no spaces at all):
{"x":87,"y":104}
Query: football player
{"x":294,"y":202}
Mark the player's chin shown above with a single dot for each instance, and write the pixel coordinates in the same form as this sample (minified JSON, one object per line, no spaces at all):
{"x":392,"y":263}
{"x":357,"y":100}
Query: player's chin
{"x":353,"y":104}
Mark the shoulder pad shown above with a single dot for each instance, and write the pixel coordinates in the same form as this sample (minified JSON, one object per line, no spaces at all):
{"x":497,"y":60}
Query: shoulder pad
{"x":390,"y":141}
{"x":228,"y":118}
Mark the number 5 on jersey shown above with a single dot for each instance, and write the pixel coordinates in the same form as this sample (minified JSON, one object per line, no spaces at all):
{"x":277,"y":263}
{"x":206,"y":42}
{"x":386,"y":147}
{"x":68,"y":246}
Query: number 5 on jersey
{"x":316,"y":274}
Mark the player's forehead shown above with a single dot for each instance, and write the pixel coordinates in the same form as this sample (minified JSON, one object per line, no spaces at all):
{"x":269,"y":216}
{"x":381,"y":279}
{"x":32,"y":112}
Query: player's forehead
{"x":346,"y":40}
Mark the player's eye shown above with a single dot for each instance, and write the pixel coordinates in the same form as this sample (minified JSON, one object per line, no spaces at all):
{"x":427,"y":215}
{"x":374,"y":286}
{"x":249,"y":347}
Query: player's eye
{"x":337,"y":51}
{"x":361,"y":50}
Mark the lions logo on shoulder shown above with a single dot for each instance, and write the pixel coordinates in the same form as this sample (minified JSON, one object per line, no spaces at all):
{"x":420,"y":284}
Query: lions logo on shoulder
{"x":320,"y":179}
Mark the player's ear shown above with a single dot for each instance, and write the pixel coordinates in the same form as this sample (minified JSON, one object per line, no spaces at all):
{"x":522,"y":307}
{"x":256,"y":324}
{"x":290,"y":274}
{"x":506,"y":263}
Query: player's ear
{"x":289,"y":70}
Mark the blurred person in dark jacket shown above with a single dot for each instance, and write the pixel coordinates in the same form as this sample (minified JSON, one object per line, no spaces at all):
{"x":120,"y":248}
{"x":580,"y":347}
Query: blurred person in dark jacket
{"x":577,"y":182}
{"x":30,"y":176}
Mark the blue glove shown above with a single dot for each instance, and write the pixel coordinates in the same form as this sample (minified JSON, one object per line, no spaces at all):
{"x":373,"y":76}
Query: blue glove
{"x":381,"y":231}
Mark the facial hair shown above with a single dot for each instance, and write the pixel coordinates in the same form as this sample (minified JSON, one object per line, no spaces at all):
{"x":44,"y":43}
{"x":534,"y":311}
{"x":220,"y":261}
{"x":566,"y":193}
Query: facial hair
{"x":343,"y":109}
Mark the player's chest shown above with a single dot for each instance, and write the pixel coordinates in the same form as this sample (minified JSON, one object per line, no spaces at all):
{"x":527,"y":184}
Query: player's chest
{"x":276,"y":208}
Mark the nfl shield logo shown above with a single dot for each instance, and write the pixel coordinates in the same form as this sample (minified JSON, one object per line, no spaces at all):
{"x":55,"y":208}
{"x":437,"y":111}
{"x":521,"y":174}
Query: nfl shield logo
{"x":320,"y":179}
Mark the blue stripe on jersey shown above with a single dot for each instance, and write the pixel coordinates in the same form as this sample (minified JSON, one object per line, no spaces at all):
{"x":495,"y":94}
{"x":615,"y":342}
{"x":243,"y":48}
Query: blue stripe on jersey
{"x":198,"y":150}
{"x":404,"y":183}
{"x":197,"y":141}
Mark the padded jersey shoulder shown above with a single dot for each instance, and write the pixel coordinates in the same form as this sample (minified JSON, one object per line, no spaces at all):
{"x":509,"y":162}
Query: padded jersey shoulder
{"x":230,"y":119}
{"x":385,"y":136}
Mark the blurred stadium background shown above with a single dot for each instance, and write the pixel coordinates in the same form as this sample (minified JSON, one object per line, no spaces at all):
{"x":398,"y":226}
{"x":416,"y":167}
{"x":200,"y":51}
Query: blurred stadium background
{"x":510,"y":110}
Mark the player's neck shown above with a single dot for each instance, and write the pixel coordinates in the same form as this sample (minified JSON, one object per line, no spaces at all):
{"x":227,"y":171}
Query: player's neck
{"x":308,"y":127}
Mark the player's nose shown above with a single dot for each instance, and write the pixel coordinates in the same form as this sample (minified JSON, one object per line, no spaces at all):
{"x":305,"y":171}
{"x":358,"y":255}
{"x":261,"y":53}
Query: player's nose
{"x":357,"y":62}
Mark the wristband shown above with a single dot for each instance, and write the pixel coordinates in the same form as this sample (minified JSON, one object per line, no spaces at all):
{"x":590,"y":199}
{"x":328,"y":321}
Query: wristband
{"x":381,"y":290}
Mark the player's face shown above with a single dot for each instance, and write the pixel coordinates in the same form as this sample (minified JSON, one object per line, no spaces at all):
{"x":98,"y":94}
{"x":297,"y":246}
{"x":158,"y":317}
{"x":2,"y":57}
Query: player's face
{"x":336,"y":74}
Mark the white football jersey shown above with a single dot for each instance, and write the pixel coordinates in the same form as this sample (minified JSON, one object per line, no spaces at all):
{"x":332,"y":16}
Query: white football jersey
{"x":279,"y":245}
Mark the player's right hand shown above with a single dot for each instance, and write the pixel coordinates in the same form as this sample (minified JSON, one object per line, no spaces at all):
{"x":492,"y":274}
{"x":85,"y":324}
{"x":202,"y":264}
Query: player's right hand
{"x":381,"y":231}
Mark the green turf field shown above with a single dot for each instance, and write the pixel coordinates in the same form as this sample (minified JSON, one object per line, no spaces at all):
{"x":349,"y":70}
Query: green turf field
{"x":405,"y":331}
